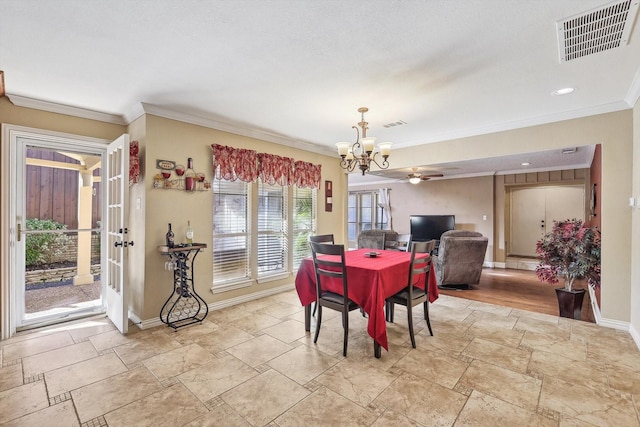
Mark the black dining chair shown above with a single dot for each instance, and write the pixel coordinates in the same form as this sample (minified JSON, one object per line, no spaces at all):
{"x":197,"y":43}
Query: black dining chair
{"x":333,"y":267}
{"x":412,"y":295}
{"x":403,"y":242}
{"x":321,"y":238}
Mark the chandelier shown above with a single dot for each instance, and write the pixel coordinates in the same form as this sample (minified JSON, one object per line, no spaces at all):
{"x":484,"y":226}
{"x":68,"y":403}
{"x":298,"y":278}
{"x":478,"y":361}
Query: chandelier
{"x":362,"y":151}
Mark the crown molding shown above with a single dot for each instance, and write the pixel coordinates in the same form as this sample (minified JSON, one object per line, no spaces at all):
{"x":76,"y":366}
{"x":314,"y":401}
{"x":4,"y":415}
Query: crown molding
{"x":634,"y":90}
{"x":53,"y":107}
{"x":236,"y":128}
{"x":519,"y":124}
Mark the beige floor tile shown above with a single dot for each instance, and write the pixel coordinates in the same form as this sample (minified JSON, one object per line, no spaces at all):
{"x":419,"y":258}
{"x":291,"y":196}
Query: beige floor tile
{"x":423,"y":401}
{"x":490,"y":308}
{"x":248,"y":398}
{"x":54,"y":359}
{"x":533,"y":315}
{"x":222,"y":338}
{"x":35,"y":345}
{"x":390,"y":418}
{"x":83,"y":329}
{"x":444,"y":312}
{"x":20,"y":401}
{"x":104,"y":396}
{"x":80,"y":374}
{"x":603,"y":407}
{"x":509,"y":386}
{"x":62,"y":414}
{"x":287,"y":331}
{"x":216,"y":377}
{"x":10,"y":376}
{"x":511,"y":358}
{"x":616,"y":354}
{"x":254,"y":322}
{"x":326,"y":408}
{"x":188,"y":334}
{"x":453,"y":302}
{"x":280,"y":310}
{"x":623,"y":379}
{"x":360,"y":384}
{"x":534,"y":325}
{"x":485,"y":410}
{"x":491,"y":320}
{"x":451,"y":345}
{"x":302,"y":364}
{"x":228,"y":314}
{"x":572,"y":422}
{"x":551,"y":343}
{"x":109,"y":340}
{"x":590,"y":374}
{"x":433,"y":366}
{"x":147,"y":347}
{"x":219,"y":415}
{"x":175,"y":362}
{"x":259,"y":350}
{"x":508,"y":337}
{"x":173,"y":406}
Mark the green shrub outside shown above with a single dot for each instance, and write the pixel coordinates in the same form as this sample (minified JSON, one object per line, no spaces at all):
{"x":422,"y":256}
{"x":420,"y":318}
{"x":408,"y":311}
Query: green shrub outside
{"x":41,"y":248}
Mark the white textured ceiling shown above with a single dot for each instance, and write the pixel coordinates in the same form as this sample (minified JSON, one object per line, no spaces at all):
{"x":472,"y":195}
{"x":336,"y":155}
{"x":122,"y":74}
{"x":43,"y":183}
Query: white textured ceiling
{"x":297,"y":71}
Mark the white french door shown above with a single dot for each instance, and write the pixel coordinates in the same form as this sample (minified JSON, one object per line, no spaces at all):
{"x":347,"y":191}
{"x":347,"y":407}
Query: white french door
{"x":90,"y":154}
{"x":117,"y":213}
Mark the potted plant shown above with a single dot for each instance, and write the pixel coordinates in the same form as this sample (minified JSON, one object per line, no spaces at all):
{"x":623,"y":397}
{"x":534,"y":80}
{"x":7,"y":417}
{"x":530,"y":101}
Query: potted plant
{"x":570,"y":251}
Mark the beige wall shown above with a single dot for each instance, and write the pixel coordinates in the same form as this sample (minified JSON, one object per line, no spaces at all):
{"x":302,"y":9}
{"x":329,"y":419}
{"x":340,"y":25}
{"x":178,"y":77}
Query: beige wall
{"x":172,"y":140}
{"x":635,"y":229}
{"x":615,"y":132}
{"x":466,"y":198}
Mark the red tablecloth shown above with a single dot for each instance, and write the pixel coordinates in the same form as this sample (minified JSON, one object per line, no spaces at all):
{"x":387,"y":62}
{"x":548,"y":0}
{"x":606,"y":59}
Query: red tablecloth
{"x":371,"y":281}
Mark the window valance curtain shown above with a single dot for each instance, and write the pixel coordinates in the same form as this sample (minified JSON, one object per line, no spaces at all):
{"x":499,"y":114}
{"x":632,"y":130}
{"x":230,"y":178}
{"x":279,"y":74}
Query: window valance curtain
{"x":247,"y":165}
{"x":234,"y":163}
{"x":307,"y":175}
{"x":275,"y":169}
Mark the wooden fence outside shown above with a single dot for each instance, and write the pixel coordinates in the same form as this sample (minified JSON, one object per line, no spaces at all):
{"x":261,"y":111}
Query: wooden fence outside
{"x":53,"y":193}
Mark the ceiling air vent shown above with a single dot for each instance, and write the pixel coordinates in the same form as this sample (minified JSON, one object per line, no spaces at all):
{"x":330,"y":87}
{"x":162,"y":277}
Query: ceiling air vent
{"x":398,"y":123}
{"x":600,"y":29}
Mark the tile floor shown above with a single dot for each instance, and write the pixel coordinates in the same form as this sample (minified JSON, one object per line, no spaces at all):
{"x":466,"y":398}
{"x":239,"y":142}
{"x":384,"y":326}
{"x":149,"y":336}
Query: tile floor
{"x":254,"y":365}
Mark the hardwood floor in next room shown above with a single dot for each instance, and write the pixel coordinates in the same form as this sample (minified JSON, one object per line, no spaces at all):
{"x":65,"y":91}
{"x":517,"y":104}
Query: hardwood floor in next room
{"x":517,"y":289}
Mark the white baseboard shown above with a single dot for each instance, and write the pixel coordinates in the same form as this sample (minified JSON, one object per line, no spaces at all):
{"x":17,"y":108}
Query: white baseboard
{"x":635,"y":335}
{"x":615,"y":324}
{"x":594,"y":305}
{"x":151,"y":323}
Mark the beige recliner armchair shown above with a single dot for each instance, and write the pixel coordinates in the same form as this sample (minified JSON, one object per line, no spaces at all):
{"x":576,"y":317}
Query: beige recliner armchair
{"x":460,"y":258}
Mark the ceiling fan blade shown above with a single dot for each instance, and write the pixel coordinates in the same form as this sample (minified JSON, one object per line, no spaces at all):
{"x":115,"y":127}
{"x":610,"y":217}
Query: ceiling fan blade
{"x":435,"y":175}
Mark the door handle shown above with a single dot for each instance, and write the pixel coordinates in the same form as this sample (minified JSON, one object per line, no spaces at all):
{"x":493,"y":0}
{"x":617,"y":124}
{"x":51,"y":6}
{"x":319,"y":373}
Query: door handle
{"x":19,"y":231}
{"x":123,"y":244}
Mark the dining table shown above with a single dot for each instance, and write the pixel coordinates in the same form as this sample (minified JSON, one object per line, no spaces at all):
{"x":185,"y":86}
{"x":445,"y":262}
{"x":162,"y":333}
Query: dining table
{"x":371,"y":279}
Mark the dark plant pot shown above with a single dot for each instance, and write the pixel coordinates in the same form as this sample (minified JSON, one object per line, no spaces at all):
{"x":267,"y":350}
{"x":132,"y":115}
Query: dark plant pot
{"x":570,"y":302}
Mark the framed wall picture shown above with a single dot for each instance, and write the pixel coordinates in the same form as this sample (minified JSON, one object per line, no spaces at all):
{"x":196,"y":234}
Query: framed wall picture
{"x":328,"y":196}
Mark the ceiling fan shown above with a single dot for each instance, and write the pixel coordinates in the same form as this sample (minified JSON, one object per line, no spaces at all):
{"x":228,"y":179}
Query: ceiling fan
{"x":416,"y":177}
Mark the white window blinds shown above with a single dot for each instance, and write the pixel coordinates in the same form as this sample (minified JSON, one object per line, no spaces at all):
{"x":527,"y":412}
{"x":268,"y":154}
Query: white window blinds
{"x":272,"y":229}
{"x":231,"y":243}
{"x":304,"y":208}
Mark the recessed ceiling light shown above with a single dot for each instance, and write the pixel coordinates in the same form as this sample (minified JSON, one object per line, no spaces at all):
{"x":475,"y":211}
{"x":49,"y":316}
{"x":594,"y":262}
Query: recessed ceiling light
{"x":525,"y":163}
{"x":563,"y":91}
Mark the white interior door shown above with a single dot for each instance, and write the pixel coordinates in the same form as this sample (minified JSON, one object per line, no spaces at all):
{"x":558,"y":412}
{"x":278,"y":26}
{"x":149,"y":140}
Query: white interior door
{"x":527,"y":220}
{"x":533,"y":211}
{"x":117,"y":194}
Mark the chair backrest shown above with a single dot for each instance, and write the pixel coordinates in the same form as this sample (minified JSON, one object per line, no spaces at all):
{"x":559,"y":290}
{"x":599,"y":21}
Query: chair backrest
{"x":327,"y":267}
{"x":403,"y":242}
{"x":460,"y":257}
{"x":419,"y":265}
{"x":431,"y":245}
{"x":322,"y":238}
{"x":371,"y":239}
